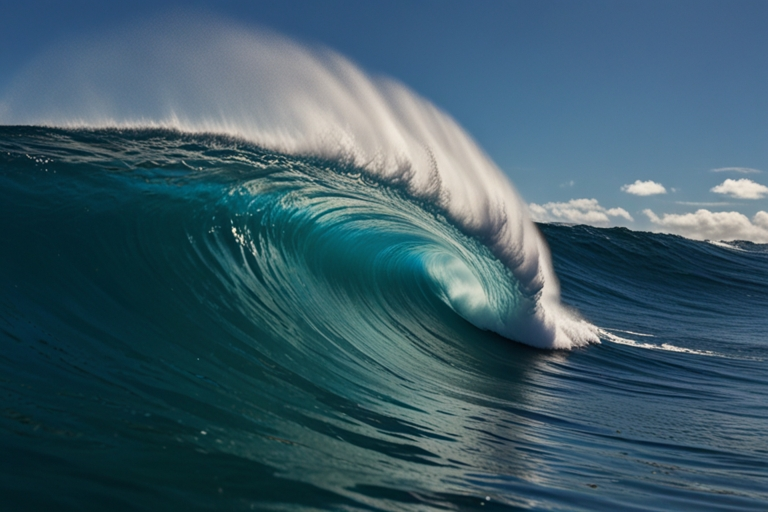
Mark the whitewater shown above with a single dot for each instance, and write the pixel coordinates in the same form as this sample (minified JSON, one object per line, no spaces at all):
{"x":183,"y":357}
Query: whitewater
{"x":237,"y":272}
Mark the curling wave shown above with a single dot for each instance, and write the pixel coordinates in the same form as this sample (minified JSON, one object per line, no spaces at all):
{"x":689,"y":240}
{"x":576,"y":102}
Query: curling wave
{"x":213,"y":77}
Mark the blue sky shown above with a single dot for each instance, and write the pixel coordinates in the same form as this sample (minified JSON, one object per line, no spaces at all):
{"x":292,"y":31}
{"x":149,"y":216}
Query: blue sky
{"x":572,"y":100}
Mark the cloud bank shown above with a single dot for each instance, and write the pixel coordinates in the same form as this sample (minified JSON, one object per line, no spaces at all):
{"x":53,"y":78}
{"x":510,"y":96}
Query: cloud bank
{"x":741,"y":189}
{"x":644,"y":188}
{"x":707,"y":225}
{"x":577,"y":211}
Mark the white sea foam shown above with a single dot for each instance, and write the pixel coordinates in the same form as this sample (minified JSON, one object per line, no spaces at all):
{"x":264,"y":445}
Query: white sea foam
{"x":630,"y":332}
{"x":651,"y":346}
{"x":195,"y":74}
{"x":726,"y":245}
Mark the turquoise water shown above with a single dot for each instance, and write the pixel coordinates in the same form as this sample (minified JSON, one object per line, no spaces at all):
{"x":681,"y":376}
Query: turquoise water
{"x":193,"y":322}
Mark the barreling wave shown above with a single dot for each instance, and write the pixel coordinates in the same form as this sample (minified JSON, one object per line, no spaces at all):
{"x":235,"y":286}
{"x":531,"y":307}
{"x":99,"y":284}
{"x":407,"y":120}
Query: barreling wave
{"x":486,"y":260}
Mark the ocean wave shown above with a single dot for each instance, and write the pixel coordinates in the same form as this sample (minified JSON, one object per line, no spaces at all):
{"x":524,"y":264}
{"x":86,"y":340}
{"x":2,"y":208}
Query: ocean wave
{"x":215,"y":77}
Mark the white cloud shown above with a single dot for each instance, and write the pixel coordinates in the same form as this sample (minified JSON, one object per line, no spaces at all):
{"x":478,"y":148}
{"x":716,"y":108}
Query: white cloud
{"x":576,"y":211}
{"x":644,"y":188}
{"x":741,"y":189}
{"x":567,"y":184}
{"x":741,"y":170}
{"x":707,"y":225}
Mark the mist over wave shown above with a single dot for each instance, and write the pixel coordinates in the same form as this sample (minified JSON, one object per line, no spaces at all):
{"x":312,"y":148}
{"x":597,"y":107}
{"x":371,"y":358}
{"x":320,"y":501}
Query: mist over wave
{"x":201,"y":75}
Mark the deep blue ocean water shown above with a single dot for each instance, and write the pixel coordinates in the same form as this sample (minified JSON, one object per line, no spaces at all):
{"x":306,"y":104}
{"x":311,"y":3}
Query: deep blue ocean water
{"x":190,"y":322}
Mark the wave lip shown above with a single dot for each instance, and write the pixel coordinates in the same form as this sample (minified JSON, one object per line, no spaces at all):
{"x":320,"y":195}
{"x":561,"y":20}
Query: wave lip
{"x":197,"y":75}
